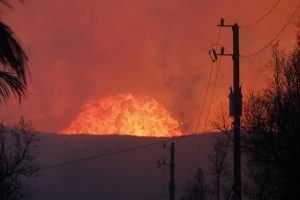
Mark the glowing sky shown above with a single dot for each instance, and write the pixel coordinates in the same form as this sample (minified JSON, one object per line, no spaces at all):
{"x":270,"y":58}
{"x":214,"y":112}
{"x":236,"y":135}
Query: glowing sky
{"x":85,"y":50}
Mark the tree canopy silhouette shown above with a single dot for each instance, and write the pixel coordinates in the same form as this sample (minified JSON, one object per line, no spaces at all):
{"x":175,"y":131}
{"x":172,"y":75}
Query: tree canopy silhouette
{"x":18,"y":150}
{"x":272,"y":130}
{"x":12,"y":63}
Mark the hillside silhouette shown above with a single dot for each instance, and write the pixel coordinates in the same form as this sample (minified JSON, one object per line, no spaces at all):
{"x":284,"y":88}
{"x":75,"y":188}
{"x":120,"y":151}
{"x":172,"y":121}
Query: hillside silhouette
{"x":129,"y":175}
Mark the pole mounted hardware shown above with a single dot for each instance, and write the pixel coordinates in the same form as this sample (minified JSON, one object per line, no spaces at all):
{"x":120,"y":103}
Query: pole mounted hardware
{"x":159,"y":164}
{"x":235,"y":104}
{"x":213,"y":55}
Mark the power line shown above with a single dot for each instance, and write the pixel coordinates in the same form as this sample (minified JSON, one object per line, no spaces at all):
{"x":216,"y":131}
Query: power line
{"x":213,"y":91}
{"x":204,"y":128}
{"x":204,"y":100}
{"x":263,"y":17}
{"x":205,"y":96}
{"x":207,"y":86}
{"x":278,"y":34}
{"x":183,"y":190}
{"x":224,"y":78}
{"x":212,"y":95}
{"x":77,"y":161}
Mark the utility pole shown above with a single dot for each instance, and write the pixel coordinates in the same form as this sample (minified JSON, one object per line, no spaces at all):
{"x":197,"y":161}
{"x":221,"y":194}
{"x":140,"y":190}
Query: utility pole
{"x":172,"y":169}
{"x":172,"y":172}
{"x":237,"y":113}
{"x":235,"y":104}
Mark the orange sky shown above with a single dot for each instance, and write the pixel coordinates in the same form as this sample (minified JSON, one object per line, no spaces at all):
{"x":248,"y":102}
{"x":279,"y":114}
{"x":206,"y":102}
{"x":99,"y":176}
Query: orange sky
{"x":84,"y":51}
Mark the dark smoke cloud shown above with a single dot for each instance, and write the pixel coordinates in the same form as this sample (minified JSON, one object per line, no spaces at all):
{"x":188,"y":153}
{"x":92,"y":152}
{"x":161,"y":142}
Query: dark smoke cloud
{"x":84,"y":50}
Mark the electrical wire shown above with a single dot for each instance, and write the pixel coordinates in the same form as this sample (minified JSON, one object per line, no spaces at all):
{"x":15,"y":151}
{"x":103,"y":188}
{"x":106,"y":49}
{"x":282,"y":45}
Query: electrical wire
{"x":204,"y":101}
{"x":207,"y":86}
{"x":208,"y":112}
{"x":183,"y":190}
{"x":277,"y":35}
{"x":201,"y":111}
{"x":98,"y":156}
{"x":263,"y":17}
{"x":224,"y":78}
{"x":214,"y":86}
{"x":213,"y":92}
{"x":259,"y":51}
{"x":205,"y":96}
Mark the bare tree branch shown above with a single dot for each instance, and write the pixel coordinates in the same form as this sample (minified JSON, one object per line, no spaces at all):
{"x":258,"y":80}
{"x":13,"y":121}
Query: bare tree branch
{"x":17,"y":159}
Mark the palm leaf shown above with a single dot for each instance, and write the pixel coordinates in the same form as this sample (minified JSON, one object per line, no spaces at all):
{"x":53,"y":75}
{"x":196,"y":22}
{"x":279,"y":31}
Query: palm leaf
{"x":12,"y":56}
{"x":5,"y":2}
{"x":10,"y":84}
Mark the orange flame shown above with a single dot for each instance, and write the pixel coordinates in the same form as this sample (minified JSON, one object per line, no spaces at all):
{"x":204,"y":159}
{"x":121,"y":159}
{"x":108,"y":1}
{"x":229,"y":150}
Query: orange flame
{"x":125,"y":115}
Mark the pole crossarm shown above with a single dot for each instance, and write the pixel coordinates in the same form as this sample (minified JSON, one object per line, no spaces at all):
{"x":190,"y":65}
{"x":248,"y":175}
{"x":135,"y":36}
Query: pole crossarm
{"x":235,"y":106}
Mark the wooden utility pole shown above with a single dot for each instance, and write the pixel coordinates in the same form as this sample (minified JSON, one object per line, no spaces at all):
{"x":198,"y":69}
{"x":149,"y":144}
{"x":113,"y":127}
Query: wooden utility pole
{"x":237,"y":112}
{"x":172,"y":172}
{"x":235,"y":108}
{"x":171,"y":164}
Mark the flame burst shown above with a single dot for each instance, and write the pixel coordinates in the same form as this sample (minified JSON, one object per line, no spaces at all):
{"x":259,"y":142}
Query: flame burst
{"x":126,"y":115}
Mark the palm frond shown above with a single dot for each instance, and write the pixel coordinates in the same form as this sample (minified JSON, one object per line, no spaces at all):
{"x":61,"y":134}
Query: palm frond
{"x":10,"y":84}
{"x":12,"y":56}
{"x":6,"y":3}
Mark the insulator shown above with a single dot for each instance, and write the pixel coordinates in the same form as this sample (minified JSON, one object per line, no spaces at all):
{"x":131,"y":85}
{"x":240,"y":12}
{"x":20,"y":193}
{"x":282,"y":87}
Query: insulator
{"x":213,"y":55}
{"x":222,"y":22}
{"x":222,"y":51}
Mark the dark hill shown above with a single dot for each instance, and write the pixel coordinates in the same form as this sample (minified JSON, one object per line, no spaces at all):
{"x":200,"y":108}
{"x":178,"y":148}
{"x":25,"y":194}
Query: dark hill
{"x":130,"y":175}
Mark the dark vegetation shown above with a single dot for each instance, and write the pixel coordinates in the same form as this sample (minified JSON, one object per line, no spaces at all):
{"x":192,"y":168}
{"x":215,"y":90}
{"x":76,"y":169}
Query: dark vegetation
{"x":217,"y":182}
{"x":270,"y":137}
{"x":272,"y":131}
{"x":17,"y":145}
{"x":18,"y":148}
{"x":12,"y":63}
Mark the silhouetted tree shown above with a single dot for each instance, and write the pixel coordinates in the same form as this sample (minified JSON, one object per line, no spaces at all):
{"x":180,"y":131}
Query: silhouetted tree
{"x":221,"y":187}
{"x":18,"y":147}
{"x":272,"y":131}
{"x":220,"y":172}
{"x":196,"y":189}
{"x":12,"y":63}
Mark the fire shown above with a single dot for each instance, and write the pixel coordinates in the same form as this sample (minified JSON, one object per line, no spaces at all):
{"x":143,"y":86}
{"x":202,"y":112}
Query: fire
{"x":126,"y":115}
